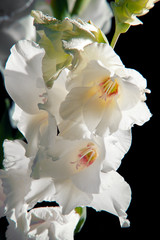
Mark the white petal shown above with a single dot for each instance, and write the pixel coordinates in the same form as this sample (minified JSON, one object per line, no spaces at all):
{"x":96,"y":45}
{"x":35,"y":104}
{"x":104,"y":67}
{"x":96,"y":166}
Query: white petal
{"x":16,"y":178}
{"x":50,"y":218}
{"x":55,"y":96}
{"x":70,"y":197}
{"x":71,"y":108}
{"x":15,"y":186}
{"x":110,"y":119}
{"x":43,"y":165}
{"x":48,"y":136}
{"x":93,"y":112}
{"x":72,"y":130}
{"x":115,"y":196}
{"x":88,"y":180}
{"x":32,"y":127}
{"x":13,"y":232}
{"x":136,"y":78}
{"x":88,"y":77}
{"x":42,"y":189}
{"x":23,"y":75}
{"x":137,"y":115}
{"x":14,"y":154}
{"x":101,"y":52}
{"x":19,"y":223}
{"x":129,"y":95}
{"x":117,"y":145}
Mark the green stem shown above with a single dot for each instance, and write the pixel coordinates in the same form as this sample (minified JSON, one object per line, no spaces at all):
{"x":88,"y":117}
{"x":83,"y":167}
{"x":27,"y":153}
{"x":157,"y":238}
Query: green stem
{"x":120,"y":27}
{"x":79,"y":6}
{"x":60,"y":9}
{"x":115,"y":38}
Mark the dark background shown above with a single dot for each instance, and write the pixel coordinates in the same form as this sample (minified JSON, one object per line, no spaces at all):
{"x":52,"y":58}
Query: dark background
{"x":139,"y":49}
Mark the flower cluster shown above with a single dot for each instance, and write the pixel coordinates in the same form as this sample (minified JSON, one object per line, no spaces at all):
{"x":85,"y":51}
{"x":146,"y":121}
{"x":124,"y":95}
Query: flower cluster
{"x":75,"y":104}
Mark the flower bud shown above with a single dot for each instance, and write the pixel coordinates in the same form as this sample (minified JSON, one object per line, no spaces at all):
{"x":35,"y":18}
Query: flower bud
{"x":126,"y":11}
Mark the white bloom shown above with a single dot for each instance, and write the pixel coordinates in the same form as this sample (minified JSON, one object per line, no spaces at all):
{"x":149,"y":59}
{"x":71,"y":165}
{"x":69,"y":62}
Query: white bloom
{"x":21,"y":191}
{"x":46,"y":223}
{"x":103,"y":93}
{"x":114,"y":197}
{"x":24,"y":69}
{"x":77,"y":167}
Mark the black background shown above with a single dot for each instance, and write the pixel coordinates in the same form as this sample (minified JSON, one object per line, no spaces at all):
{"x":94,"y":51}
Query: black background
{"x":139,"y":49}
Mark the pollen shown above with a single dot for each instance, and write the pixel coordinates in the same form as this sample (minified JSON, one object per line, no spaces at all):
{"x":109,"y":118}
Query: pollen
{"x":86,"y":157}
{"x":108,"y":88}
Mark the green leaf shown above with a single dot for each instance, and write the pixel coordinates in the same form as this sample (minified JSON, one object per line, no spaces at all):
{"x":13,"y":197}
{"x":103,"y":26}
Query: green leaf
{"x":82,"y":211}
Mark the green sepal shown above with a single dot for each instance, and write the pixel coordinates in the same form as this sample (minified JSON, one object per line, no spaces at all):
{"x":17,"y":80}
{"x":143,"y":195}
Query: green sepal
{"x":124,"y":9}
{"x":82,"y":211}
{"x":99,"y":35}
{"x":121,"y":16}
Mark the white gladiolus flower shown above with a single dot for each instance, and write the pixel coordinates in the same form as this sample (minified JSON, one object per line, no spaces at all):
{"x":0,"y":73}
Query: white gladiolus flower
{"x":80,"y":174}
{"x":20,"y":190}
{"x":24,"y":69}
{"x":46,"y":223}
{"x":104,"y":94}
{"x":82,"y":167}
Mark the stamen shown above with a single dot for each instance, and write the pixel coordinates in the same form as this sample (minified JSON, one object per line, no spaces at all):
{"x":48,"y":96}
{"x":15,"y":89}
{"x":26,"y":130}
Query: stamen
{"x":86,"y":157}
{"x":108,"y":88}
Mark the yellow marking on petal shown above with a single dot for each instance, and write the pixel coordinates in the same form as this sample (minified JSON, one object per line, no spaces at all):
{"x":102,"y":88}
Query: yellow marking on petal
{"x":105,"y":90}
